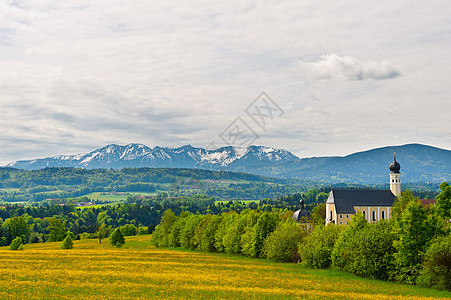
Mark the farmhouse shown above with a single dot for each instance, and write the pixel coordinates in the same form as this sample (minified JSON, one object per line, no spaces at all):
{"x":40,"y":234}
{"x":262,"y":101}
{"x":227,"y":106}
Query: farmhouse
{"x":374,"y":204}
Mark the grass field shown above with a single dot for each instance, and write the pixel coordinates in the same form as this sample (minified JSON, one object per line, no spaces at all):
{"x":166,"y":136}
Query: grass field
{"x":138,"y":271}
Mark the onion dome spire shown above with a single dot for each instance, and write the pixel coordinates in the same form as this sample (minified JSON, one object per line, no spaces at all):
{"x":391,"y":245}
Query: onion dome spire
{"x":394,"y":166}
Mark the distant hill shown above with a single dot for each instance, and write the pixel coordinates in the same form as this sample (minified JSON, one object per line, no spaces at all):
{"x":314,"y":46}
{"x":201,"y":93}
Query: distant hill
{"x":419,"y":163}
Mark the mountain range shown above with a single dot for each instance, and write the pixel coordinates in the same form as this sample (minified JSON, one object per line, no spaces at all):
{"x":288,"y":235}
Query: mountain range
{"x":419,"y":163}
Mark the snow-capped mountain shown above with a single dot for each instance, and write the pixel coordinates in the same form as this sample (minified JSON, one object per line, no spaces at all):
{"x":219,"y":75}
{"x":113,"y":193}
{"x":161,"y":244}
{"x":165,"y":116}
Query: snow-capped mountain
{"x":138,"y":155}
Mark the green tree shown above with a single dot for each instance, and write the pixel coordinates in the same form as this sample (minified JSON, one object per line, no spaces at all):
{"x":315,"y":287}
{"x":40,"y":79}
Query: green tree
{"x":368,"y":252}
{"x":67,"y":243}
{"x":415,"y":229}
{"x":116,"y":238}
{"x":17,"y":227}
{"x":207,"y":241}
{"x":283,"y":243}
{"x":436,"y":271}
{"x":317,"y":248}
{"x":174,"y":238}
{"x":322,"y":197}
{"x":56,"y":229}
{"x":160,"y":237}
{"x":443,"y":204}
{"x":319,"y":214}
{"x":101,"y":232}
{"x":187,"y":236}
{"x":16,"y":244}
{"x":228,"y":220}
{"x":401,"y":203}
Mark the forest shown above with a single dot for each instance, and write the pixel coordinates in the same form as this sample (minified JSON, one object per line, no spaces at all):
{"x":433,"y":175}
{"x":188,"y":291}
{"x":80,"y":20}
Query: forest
{"x":66,"y":185}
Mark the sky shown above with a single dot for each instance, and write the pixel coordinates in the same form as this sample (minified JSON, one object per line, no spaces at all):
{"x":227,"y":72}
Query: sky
{"x":317,"y":78}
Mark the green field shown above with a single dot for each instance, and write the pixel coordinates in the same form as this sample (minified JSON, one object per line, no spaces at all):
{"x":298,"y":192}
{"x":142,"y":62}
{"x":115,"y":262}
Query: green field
{"x":138,"y":271}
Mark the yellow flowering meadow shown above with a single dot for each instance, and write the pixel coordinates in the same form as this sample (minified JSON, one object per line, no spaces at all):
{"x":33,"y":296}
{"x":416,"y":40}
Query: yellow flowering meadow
{"x":139,"y":271}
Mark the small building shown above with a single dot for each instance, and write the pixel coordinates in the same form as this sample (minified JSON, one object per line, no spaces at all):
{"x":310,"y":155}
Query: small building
{"x":374,"y":204}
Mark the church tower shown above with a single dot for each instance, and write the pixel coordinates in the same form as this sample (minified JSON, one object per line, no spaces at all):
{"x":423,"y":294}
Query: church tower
{"x":395,"y":177}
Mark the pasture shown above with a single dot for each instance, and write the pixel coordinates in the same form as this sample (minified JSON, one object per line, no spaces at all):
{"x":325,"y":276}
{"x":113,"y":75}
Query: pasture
{"x":138,"y":270}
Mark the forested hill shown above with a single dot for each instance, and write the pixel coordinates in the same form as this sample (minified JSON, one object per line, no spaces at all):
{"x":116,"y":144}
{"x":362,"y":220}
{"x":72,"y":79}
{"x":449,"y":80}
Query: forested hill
{"x":419,"y":163}
{"x":68,"y":183}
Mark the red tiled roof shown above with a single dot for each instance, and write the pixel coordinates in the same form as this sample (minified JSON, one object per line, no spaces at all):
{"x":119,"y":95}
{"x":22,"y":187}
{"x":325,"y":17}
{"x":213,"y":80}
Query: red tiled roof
{"x":427,"y":202}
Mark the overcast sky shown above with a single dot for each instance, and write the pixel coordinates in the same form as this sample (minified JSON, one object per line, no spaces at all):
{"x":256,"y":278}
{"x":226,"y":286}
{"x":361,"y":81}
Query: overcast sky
{"x":343,"y":76}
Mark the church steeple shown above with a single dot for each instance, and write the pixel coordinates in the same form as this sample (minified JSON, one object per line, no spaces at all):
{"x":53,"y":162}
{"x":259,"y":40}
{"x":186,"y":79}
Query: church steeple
{"x":395,"y":177}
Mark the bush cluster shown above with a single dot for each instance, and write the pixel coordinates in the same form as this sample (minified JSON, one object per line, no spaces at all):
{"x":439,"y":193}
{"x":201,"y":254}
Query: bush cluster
{"x":251,"y":233}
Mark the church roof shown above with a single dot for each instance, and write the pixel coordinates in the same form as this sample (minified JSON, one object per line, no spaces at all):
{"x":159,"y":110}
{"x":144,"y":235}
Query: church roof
{"x":345,"y":200}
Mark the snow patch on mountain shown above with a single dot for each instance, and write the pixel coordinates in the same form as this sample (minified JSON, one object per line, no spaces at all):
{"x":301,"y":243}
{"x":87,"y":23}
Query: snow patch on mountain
{"x":139,"y":155}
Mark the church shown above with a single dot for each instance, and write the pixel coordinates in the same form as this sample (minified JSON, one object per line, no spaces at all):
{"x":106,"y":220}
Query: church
{"x":374,"y":204}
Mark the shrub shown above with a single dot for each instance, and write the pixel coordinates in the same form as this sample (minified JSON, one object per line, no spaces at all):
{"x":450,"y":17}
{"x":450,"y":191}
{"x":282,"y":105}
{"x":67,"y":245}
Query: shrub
{"x":129,"y":230}
{"x":67,"y":243}
{"x":318,"y":246}
{"x":436,"y":271}
{"x":87,"y":235}
{"x":283,"y":243}
{"x":72,"y":236}
{"x":368,"y":252}
{"x":35,"y":237}
{"x":16,"y":244}
{"x":142,"y":230}
{"x":116,"y":238}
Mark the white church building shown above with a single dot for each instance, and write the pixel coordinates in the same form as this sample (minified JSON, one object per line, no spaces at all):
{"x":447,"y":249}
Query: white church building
{"x":374,"y":204}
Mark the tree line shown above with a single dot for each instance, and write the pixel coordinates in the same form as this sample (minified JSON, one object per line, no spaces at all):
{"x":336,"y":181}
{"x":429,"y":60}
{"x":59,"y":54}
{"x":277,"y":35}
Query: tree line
{"x":32,"y":223}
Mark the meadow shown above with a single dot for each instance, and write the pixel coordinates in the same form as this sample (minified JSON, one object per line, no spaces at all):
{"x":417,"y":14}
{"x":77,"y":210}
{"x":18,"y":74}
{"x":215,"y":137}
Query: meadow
{"x":138,"y":270}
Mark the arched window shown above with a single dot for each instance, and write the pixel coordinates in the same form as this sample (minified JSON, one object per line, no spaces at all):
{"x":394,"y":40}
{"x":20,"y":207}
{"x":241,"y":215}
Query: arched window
{"x":383,"y":215}
{"x":331,"y":215}
{"x":364,"y":214}
{"x":374,"y":215}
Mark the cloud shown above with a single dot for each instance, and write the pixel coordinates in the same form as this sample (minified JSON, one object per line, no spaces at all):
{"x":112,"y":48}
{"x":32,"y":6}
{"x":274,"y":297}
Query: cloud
{"x":333,"y":66}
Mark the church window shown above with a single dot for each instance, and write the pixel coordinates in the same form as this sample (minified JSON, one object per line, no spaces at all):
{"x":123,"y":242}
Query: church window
{"x":374,"y":215}
{"x":383,"y":215}
{"x":347,"y":216}
{"x":341,"y":216}
{"x":331,"y":215}
{"x":364,"y":214}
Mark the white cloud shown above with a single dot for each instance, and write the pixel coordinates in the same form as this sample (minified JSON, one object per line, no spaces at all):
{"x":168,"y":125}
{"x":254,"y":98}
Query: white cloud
{"x":332,"y":66}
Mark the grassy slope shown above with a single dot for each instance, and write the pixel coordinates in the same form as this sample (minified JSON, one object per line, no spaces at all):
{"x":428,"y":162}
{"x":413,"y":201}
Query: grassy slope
{"x":138,"y":270}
